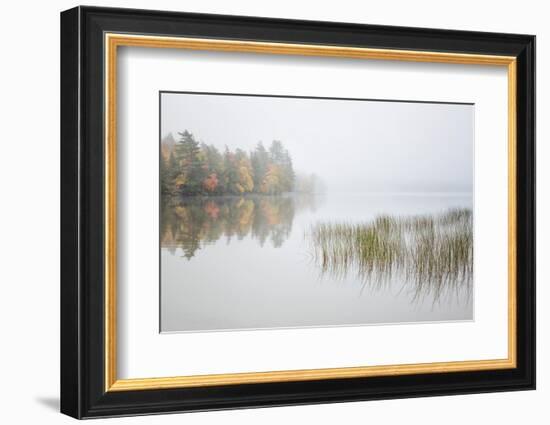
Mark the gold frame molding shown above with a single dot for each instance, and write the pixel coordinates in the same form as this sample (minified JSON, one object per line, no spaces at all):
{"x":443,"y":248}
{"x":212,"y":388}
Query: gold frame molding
{"x":113,"y":41}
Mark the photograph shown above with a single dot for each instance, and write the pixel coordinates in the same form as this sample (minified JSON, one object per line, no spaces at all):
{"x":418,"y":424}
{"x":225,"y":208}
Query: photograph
{"x":299,"y":212}
{"x":285,"y":210}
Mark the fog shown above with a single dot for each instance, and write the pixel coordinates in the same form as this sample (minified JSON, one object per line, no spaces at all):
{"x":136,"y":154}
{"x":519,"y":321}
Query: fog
{"x":352,"y":145}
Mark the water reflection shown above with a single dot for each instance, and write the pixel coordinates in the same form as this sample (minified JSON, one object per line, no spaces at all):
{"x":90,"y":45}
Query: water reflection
{"x":432,"y":255}
{"x":374,"y":259}
{"x":190,"y":223}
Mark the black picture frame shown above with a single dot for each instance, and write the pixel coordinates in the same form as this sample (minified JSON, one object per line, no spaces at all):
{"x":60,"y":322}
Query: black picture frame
{"x":83,"y":392}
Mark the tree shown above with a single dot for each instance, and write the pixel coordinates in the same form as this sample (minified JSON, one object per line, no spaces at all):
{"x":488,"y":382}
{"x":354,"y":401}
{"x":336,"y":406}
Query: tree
{"x":288,"y":175}
{"x":276,"y":152}
{"x":245,"y":182}
{"x":191,"y":171}
{"x":213,"y":164}
{"x":190,"y":168}
{"x":308,"y":183}
{"x":167,"y":145}
{"x":272,"y":181}
{"x":169,"y":172}
{"x":259,"y":160}
{"x":164,"y":176}
{"x":211,"y":183}
{"x":280,"y":158}
{"x":230,"y":172}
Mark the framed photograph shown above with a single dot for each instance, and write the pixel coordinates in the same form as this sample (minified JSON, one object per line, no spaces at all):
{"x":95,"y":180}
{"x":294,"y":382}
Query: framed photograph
{"x":261,"y":212}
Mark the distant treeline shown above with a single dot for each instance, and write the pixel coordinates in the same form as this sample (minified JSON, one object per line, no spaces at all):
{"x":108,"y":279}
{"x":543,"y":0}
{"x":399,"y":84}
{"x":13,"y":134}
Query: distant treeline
{"x":188,"y":167}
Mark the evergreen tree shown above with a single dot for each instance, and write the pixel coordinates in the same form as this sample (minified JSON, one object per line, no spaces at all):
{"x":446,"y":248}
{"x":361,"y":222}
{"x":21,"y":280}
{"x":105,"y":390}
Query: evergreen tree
{"x":173,"y":171}
{"x":188,"y":156}
{"x":164,"y":177}
{"x":230,"y":172}
{"x":276,"y":152}
{"x":281,"y":171}
{"x":259,"y":160}
{"x":190,"y":168}
{"x":288,"y":175}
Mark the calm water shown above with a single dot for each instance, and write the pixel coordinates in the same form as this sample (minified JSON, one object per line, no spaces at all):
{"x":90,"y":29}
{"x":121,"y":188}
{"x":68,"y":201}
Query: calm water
{"x":249,"y":263}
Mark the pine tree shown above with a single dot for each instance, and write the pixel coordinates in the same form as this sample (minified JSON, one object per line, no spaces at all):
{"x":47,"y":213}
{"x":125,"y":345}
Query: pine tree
{"x":230,"y":172}
{"x":188,"y":156}
{"x":281,"y":167}
{"x":277,"y":152}
{"x":164,"y":177}
{"x":192,"y":168}
{"x":288,"y":175}
{"x":259,"y":160}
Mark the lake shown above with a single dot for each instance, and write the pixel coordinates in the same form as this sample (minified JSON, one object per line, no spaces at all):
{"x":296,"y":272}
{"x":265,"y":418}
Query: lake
{"x":257,"y":262}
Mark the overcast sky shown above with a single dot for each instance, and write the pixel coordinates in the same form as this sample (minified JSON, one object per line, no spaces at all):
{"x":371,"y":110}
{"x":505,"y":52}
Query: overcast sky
{"x":367,"y":146}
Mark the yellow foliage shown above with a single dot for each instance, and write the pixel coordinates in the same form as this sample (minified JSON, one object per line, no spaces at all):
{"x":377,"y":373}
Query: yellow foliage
{"x":272,"y":179}
{"x":245,"y":178}
{"x":180,"y":180}
{"x":246,"y":214}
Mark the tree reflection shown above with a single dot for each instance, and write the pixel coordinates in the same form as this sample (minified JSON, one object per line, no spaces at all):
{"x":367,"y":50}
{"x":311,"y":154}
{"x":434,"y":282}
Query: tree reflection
{"x":190,"y":223}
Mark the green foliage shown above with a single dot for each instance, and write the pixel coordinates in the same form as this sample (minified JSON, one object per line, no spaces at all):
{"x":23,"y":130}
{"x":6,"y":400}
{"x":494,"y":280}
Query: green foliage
{"x":192,"y":168}
{"x":259,"y":160}
{"x":191,"y":165}
{"x":164,"y":179}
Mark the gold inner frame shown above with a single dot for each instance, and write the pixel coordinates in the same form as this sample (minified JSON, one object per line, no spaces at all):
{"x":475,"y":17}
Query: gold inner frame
{"x":113,"y":41}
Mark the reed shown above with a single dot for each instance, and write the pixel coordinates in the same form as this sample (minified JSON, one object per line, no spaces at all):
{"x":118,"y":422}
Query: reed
{"x":432,"y":253}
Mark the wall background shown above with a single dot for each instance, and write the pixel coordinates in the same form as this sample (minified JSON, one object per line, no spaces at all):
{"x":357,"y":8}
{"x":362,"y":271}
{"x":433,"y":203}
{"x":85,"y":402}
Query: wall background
{"x":29,"y":225}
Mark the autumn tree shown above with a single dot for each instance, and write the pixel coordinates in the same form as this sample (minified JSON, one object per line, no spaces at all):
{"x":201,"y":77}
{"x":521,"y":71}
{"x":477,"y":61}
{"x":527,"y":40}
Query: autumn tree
{"x":259,"y":160}
{"x":245,"y":182}
{"x":230,"y":172}
{"x":213,"y":165}
{"x":164,"y":178}
{"x":271,"y":183}
{"x":191,"y":168}
{"x":190,"y":160}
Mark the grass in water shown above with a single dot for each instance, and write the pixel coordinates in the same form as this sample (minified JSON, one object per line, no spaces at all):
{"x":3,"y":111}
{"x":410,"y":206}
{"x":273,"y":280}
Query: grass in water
{"x":432,"y":253}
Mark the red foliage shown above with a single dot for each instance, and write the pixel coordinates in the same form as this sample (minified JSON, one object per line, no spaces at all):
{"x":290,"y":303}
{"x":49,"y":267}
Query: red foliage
{"x":212,"y":210}
{"x":211,"y":182}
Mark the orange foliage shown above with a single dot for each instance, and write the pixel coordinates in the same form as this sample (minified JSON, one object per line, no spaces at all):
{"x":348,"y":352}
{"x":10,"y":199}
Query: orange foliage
{"x":212,"y":209}
{"x":211,"y":182}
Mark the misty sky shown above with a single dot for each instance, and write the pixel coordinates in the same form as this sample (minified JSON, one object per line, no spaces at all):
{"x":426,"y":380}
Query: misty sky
{"x":367,"y":146}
